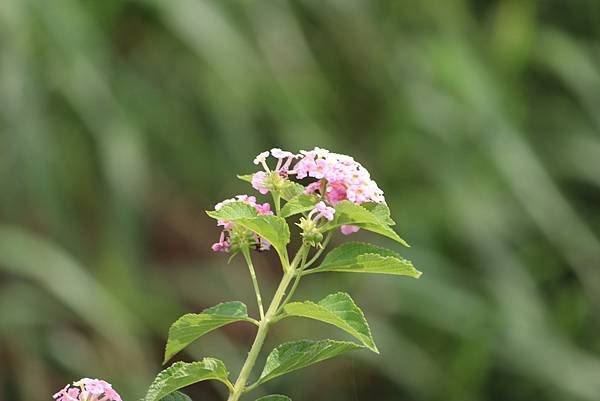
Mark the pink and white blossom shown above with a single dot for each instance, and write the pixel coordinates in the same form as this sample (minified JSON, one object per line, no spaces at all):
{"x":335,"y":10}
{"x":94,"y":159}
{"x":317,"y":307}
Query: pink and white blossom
{"x":322,"y":210}
{"x":87,"y":390}
{"x":349,"y":229}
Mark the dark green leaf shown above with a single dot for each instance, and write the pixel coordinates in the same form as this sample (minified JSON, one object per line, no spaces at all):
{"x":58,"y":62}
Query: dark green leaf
{"x":176,"y":396}
{"x":339,"y":310}
{"x":274,"y":397}
{"x":299,"y":354}
{"x":359,"y":257}
{"x":192,"y":326}
{"x":182,"y":374}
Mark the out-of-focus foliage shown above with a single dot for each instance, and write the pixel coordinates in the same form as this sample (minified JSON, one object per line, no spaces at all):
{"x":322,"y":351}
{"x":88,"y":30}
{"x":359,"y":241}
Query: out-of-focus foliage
{"x":121,"y":121}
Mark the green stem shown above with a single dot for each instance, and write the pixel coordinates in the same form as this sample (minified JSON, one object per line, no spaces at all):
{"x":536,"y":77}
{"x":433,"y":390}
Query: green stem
{"x":246,"y":253}
{"x":277,"y":202}
{"x":320,"y":251}
{"x":263,"y":328}
{"x":297,"y":280}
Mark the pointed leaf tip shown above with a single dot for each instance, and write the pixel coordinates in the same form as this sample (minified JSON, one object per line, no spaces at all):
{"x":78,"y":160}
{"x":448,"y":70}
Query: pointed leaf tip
{"x":358,"y":257}
{"x":192,"y":326}
{"x":337,"y":309}
{"x":182,"y":374}
{"x":296,"y":355}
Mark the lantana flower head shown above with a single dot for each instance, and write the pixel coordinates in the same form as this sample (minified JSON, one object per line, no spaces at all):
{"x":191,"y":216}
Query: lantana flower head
{"x":332,"y":178}
{"x":87,"y":390}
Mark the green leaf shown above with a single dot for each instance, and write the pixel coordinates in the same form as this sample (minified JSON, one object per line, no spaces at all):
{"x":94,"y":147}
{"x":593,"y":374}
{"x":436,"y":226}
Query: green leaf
{"x":246,"y":177}
{"x":291,"y":189}
{"x":182,"y":374}
{"x":381,"y":211}
{"x":192,"y":326}
{"x":272,"y":228}
{"x":339,"y":310}
{"x":359,"y":257}
{"x":233,"y":211}
{"x":350,"y":213}
{"x":299,"y":354}
{"x":176,"y":396}
{"x":298,"y":204}
{"x":275,"y":397}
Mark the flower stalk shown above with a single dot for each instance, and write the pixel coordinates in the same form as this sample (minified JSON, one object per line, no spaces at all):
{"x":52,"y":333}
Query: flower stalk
{"x":263,"y":328}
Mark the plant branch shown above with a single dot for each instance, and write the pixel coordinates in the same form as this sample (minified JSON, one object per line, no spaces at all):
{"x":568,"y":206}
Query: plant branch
{"x":320,"y":251}
{"x":297,"y":280}
{"x":246,"y":253}
{"x":263,"y":328}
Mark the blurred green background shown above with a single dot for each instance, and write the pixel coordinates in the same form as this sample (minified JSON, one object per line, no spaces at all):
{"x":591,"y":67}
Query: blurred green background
{"x":121,"y":121}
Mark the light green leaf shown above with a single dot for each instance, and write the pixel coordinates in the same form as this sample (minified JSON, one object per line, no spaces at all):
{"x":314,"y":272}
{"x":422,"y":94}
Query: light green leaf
{"x":381,"y":211}
{"x":359,"y":257}
{"x":274,"y":397}
{"x":182,"y":374}
{"x":192,"y":326}
{"x":233,"y":211}
{"x":339,"y":310}
{"x":298,"y":204}
{"x":246,"y":177}
{"x":298,"y":354}
{"x":350,"y":213}
{"x":176,"y":396}
{"x":291,"y":189}
{"x":272,"y":228}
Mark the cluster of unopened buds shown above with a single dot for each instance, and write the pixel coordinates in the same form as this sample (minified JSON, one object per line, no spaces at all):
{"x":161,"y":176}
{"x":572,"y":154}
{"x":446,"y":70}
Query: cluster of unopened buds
{"x":88,"y":390}
{"x":332,"y":178}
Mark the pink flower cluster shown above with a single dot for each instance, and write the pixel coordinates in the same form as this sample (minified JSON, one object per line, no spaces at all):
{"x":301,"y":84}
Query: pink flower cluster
{"x":344,"y":177}
{"x":339,"y":175}
{"x":224,"y":244}
{"x":88,"y":390}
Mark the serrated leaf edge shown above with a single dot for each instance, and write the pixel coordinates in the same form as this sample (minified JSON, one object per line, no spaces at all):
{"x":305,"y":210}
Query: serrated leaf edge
{"x":235,"y":319}
{"x":362,"y":314}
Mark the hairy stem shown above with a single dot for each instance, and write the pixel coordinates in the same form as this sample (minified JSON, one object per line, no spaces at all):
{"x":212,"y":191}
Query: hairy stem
{"x":297,"y":280}
{"x":263,"y":327}
{"x":320,"y":251}
{"x":246,"y":253}
{"x":277,"y":202}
